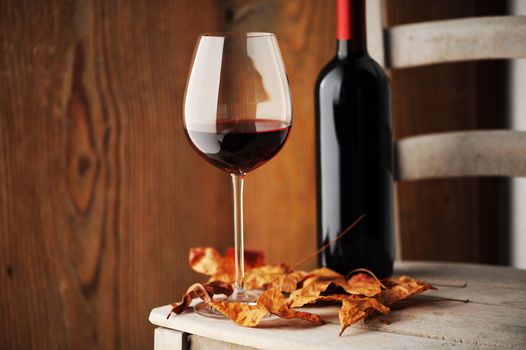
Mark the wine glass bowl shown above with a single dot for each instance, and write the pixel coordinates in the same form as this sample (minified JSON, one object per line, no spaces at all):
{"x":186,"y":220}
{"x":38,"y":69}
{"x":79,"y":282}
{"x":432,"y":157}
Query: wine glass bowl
{"x":237,"y":113}
{"x":237,"y":109}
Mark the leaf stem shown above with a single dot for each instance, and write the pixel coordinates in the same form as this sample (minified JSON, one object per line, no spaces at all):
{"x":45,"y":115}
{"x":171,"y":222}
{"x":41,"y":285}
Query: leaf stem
{"x":330,"y":243}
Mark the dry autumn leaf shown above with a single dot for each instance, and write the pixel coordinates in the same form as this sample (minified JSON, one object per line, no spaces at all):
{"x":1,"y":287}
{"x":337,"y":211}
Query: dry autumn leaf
{"x":353,"y":310}
{"x":313,"y":287}
{"x":205,"y":260}
{"x":203,"y":291}
{"x":224,"y":277}
{"x":218,"y":287}
{"x":273,"y":300}
{"x":309,"y":293}
{"x":208,"y":261}
{"x":253,"y":258}
{"x":362,"y":284}
{"x":243,"y":314}
{"x":264,"y":276}
{"x":257,"y":278}
{"x":361,"y":295}
{"x":401,"y":288}
{"x":325,"y":273}
{"x":292,"y":280}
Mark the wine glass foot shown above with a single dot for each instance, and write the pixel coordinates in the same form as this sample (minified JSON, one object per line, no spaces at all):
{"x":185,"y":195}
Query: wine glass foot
{"x":204,"y":309}
{"x":242,"y":296}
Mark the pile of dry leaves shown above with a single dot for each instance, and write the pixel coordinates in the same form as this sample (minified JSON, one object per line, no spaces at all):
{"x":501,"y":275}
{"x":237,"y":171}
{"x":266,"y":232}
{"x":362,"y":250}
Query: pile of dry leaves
{"x":361,"y":294}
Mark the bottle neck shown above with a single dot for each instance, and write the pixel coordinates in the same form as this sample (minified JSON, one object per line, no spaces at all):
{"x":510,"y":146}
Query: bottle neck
{"x":350,"y":28}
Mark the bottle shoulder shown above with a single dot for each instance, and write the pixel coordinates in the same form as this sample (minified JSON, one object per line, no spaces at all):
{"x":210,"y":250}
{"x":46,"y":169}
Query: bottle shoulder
{"x":352,"y":69}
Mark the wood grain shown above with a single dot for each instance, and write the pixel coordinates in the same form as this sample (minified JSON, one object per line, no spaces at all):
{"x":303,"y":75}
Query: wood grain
{"x":100,"y":194}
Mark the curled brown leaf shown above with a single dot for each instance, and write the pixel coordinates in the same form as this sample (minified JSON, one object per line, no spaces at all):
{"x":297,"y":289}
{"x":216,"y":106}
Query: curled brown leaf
{"x":361,"y":294}
{"x":361,"y":284}
{"x":325,"y":273}
{"x":257,"y":278}
{"x":253,"y":258}
{"x":309,"y":293}
{"x":208,"y":261}
{"x":292,"y":280}
{"x":265,"y":276}
{"x":204,"y":291}
{"x":205,"y":260}
{"x":314,"y":287}
{"x":219,"y":287}
{"x":273,"y":300}
{"x":364,"y":275}
{"x":353,"y":310}
{"x":401,"y":288}
{"x":243,"y":314}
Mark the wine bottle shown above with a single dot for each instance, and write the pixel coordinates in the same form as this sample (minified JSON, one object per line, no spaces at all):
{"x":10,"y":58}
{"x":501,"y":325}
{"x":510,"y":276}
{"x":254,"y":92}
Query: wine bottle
{"x":354,"y":152}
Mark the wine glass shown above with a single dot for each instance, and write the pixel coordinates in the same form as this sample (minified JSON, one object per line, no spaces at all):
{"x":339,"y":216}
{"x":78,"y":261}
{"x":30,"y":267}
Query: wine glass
{"x":237,"y":114}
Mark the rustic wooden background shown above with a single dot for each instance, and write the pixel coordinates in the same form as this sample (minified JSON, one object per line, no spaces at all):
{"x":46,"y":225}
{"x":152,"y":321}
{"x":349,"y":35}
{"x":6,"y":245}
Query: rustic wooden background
{"x":101,"y":196}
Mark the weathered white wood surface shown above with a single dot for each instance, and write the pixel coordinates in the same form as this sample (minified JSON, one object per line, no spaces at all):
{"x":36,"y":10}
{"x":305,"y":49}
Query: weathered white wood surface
{"x":197,"y":342}
{"x":456,"y":40}
{"x":468,"y":153}
{"x":369,"y":340}
{"x":494,"y":317}
{"x":168,"y":339}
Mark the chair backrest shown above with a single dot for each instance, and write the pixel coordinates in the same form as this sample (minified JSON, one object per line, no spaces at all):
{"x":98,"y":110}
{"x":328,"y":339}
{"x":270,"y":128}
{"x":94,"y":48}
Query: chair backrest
{"x":454,"y":40}
{"x":467,"y":153}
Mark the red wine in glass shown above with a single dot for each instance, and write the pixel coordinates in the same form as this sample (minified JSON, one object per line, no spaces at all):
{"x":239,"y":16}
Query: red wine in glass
{"x":239,"y":146}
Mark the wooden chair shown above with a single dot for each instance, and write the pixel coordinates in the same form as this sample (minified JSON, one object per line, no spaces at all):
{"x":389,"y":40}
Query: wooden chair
{"x":451,"y":154}
{"x":467,"y":153}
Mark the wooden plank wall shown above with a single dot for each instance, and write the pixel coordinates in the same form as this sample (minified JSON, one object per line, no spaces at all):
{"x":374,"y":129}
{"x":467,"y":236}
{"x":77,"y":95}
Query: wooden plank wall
{"x":100,"y":194}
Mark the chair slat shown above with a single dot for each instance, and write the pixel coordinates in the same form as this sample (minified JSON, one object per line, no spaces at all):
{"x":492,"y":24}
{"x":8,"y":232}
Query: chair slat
{"x":470,"y":153}
{"x":474,"y":38}
{"x":375,"y":30}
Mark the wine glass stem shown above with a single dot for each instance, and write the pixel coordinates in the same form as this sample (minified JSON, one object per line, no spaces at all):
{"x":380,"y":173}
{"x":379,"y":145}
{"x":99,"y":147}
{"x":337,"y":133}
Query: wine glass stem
{"x":239,"y":246}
